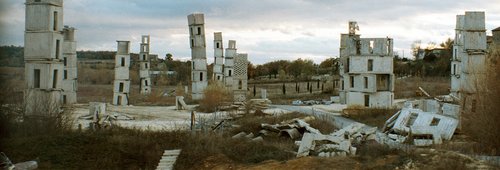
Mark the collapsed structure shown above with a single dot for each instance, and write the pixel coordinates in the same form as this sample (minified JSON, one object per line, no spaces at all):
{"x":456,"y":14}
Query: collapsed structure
{"x":469,"y":59}
{"x":366,"y":70}
{"x":198,"y":54}
{"x":43,"y":42}
{"x":144,"y":63}
{"x":219,"y":58}
{"x":122,"y":78}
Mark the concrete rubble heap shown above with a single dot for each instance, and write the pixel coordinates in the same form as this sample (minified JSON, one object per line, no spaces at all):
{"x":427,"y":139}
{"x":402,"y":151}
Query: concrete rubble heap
{"x":198,"y":53}
{"x":122,"y":78}
{"x":430,"y":123}
{"x":366,"y":70}
{"x":70,"y":78}
{"x":468,"y":65}
{"x":43,"y":55}
{"x":101,"y":118}
{"x":144,"y":62}
{"x":219,"y":57}
{"x":229,"y":63}
{"x":240,"y":78}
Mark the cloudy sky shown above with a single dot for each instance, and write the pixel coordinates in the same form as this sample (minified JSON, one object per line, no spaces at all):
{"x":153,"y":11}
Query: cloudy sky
{"x":265,"y":29}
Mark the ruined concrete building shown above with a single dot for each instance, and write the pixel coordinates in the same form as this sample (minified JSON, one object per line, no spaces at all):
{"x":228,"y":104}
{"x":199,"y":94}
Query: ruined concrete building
{"x":468,"y":64}
{"x":144,"y":63}
{"x":70,"y":78}
{"x":366,"y":70}
{"x":122,"y":78}
{"x":43,"y":40}
{"x":229,"y":63}
{"x":219,"y":57}
{"x":240,"y":78}
{"x":198,"y":53}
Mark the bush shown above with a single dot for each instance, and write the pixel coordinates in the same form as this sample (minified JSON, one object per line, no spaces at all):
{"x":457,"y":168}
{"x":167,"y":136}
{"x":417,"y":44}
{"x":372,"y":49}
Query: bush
{"x":215,"y":95}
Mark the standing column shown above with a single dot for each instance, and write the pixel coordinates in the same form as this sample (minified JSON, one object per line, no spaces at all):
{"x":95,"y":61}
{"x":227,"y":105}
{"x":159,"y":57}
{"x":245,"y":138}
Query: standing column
{"x":145,"y":64}
{"x":122,"y":78}
{"x":240,"y":78}
{"x":219,"y":57}
{"x":229,"y":63}
{"x":43,"y":41}
{"x":70,"y":78}
{"x":198,"y":53}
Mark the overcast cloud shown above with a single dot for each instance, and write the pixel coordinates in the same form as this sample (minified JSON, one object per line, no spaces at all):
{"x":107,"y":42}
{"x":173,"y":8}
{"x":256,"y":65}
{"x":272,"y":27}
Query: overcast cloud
{"x":265,"y":29}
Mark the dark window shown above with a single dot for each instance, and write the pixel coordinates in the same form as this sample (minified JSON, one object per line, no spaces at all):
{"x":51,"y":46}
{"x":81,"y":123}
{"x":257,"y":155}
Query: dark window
{"x":366,"y":82}
{"x":144,"y":57}
{"x":201,"y":76}
{"x":411,"y":121}
{"x":218,"y":45}
{"x":64,"y":99}
{"x":240,"y":84}
{"x":352,"y":81}
{"x":65,"y":61}
{"x":119,"y":100}
{"x":230,"y":72}
{"x":199,"y":30}
{"x":367,"y":100}
{"x":122,"y":62}
{"x":435,"y":121}
{"x":347,"y":66}
{"x":191,"y":30}
{"x":146,"y":65}
{"x":145,"y":82}
{"x":36,"y":78}
{"x":58,"y":43}
{"x":454,"y":69}
{"x":54,"y":79}
{"x":55,"y":21}
{"x":370,"y":65}
{"x":121,"y":87}
{"x":192,"y":42}
{"x":65,"y":74}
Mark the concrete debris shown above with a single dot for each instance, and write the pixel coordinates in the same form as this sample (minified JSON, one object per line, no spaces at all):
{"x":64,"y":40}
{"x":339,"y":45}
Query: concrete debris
{"x":5,"y":163}
{"x":239,"y":135}
{"x":258,"y":139}
{"x":417,"y":127}
{"x":259,"y":104}
{"x":179,"y":103}
{"x":168,"y":159}
{"x":338,"y":143}
{"x":292,"y":133}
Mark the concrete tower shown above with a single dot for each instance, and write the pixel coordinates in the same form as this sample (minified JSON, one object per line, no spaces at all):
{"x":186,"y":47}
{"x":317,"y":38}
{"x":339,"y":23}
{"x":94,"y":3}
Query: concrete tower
{"x":145,"y":65}
{"x":456,"y":60}
{"x":43,"y":40}
{"x":122,"y":78}
{"x":366,"y":70}
{"x":198,"y":54}
{"x":470,"y":54}
{"x":240,"y":78}
{"x":229,"y":63}
{"x":219,"y":57}
{"x":70,"y":78}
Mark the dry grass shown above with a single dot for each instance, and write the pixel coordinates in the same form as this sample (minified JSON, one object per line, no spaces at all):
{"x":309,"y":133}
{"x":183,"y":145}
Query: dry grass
{"x":215,"y":95}
{"x":481,"y":122}
{"x":406,"y":88}
{"x":375,"y":117}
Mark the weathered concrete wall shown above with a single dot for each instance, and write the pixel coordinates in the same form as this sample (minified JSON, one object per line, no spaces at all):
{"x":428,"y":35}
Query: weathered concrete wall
{"x":70,"y":63}
{"x":359,"y":64}
{"x":219,"y":57}
{"x":121,"y":87}
{"x":199,"y":81}
{"x":240,"y":79}
{"x":47,"y":70}
{"x":229,"y":63}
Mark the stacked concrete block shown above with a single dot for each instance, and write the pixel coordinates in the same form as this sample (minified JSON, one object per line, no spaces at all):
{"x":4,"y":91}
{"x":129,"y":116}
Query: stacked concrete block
{"x":240,"y":78}
{"x":43,"y":55}
{"x":219,"y":57}
{"x":70,"y":78}
{"x":198,"y":53}
{"x":468,"y":66}
{"x":145,"y":65}
{"x":366,"y":70}
{"x":229,"y":64}
{"x":121,"y":87}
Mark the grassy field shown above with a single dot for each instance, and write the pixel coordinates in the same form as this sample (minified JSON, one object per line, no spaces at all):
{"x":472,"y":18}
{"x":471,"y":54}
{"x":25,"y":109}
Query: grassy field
{"x":406,"y":88}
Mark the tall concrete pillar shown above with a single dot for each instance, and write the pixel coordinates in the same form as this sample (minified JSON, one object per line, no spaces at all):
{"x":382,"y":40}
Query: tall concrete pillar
{"x":198,"y":54}
{"x":43,"y":56}
{"x":70,"y":78}
{"x":122,"y":78}
{"x":145,"y":65}
{"x":219,"y":57}
{"x":229,"y":64}
{"x":240,"y":78}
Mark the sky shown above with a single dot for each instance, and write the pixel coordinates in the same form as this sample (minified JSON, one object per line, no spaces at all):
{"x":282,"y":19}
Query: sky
{"x":265,"y":29}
